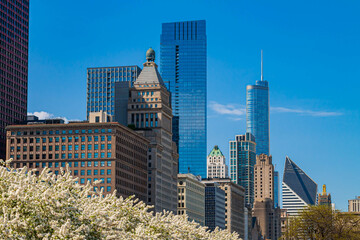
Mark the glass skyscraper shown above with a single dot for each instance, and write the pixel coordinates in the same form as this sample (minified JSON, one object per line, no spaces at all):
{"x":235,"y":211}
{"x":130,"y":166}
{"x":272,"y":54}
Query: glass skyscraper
{"x":101,"y":87}
{"x":242,"y":162}
{"x":257,"y":115}
{"x":298,"y":189}
{"x":14,"y":42}
{"x":183,"y":68}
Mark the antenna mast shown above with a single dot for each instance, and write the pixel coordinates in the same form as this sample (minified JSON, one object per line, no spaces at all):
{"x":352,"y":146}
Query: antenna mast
{"x":262,"y":76}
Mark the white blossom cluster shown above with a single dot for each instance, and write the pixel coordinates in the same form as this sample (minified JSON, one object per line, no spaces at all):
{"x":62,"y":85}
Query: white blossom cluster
{"x":56,"y":207}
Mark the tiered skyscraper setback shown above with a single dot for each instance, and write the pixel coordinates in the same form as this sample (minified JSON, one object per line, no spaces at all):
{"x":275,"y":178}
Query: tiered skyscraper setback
{"x":183,"y":67}
{"x":14,"y":32}
{"x":298,"y":189}
{"x":216,"y":166}
{"x":150,"y":113}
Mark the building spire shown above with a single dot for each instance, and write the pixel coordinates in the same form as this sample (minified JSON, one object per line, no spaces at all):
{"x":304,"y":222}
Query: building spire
{"x":262,"y":74}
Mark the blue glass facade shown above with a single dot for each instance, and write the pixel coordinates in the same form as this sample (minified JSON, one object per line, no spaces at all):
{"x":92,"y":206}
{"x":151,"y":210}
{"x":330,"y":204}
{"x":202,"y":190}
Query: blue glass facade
{"x":183,"y":68}
{"x":242,"y":162}
{"x":101,"y":86}
{"x":257,"y":115}
{"x":276,"y":189}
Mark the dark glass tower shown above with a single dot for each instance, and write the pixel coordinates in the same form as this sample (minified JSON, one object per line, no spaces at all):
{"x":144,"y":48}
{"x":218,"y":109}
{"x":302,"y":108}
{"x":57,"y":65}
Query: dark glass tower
{"x":242,"y":162}
{"x":183,"y":68}
{"x":14,"y":40}
{"x":299,"y":190}
{"x":257,"y":114}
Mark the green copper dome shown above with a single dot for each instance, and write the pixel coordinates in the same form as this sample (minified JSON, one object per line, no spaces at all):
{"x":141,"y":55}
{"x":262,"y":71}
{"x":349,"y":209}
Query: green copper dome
{"x":216,"y":152}
{"x":150,"y":55}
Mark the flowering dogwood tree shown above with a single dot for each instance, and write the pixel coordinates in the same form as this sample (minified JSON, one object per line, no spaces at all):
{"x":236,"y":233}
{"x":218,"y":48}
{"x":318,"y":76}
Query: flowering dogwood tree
{"x":56,"y":207}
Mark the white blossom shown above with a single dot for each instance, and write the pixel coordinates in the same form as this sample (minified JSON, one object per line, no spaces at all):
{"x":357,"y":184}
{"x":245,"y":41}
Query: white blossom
{"x":56,"y":207}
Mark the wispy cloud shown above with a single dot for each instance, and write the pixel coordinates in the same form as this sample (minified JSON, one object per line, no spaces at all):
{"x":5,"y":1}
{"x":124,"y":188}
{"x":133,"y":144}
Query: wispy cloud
{"x":46,"y":115}
{"x":235,"y":111}
{"x":229,"y":109}
{"x":305,"y":112}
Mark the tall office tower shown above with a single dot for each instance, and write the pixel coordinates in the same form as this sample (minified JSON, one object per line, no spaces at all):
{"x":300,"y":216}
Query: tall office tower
{"x":149,"y":111}
{"x":214,"y":206}
{"x":276,"y":189}
{"x":191,"y":198}
{"x":298,"y":189}
{"x":105,"y":86}
{"x":105,"y":151}
{"x":354,"y":205}
{"x":234,"y":205}
{"x":324,"y":198}
{"x":257,"y":113}
{"x":264,"y":178}
{"x":242,"y":162}
{"x":14,"y":40}
{"x":183,"y":67}
{"x":216,"y":166}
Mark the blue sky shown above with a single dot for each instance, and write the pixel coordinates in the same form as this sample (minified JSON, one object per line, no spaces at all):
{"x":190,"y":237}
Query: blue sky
{"x":311,"y":58}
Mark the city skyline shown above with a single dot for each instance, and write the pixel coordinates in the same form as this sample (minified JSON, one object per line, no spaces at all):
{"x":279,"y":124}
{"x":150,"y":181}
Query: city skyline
{"x":325,"y":118}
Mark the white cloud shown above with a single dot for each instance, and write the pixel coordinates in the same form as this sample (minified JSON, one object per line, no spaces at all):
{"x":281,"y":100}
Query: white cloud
{"x":45,"y":115}
{"x":305,"y":112}
{"x":237,"y":110}
{"x":229,"y":109}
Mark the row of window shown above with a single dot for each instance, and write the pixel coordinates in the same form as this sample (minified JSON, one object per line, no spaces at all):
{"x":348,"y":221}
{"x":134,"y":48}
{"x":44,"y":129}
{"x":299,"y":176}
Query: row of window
{"x":63,"y":139}
{"x":63,"y":147}
{"x":63,"y":164}
{"x":61,"y":131}
{"x":63,"y":156}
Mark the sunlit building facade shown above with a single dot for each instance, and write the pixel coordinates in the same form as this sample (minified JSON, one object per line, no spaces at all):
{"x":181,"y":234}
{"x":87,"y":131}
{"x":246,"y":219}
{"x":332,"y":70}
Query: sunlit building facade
{"x":183,"y":68}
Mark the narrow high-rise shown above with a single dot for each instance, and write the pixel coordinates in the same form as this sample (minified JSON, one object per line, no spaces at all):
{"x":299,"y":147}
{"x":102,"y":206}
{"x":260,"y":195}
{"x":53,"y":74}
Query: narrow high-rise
{"x":257,"y":113}
{"x":150,"y":113}
{"x":264,"y":178}
{"x":242,"y":162}
{"x":14,"y":44}
{"x":298,"y":189}
{"x":183,"y":67}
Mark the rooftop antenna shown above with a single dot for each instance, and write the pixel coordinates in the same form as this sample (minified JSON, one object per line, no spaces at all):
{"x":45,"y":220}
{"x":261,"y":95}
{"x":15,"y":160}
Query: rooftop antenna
{"x":262,"y":76}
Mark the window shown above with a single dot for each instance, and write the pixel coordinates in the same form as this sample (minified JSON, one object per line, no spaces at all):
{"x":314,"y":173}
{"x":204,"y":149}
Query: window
{"x":96,"y":172}
{"x":89,"y":180}
{"x":56,"y":164}
{"x":82,"y":172}
{"x":76,"y":172}
{"x":102,"y":180}
{"x":43,"y":164}
{"x":102,"y":172}
{"x":70,"y":148}
{"x":82,"y":180}
{"x":82,"y":146}
{"x":56,"y":172}
{"x":109,"y":163}
{"x":89,"y":147}
{"x":96,"y":155}
{"x":50,"y":164}
{"x":37,"y":140}
{"x":76,"y":164}
{"x":57,"y":139}
{"x":69,"y":155}
{"x":83,"y":139}
{"x":56,"y":147}
{"x":109,"y":154}
{"x":44,"y":140}
{"x":89,"y":138}
{"x":108,"y":180}
{"x":63,"y":164}
{"x":96,"y":163}
{"x":96,"y":146}
{"x":89,"y":172}
{"x":96,"y":138}
{"x":109,"y":137}
{"x":63,"y":156}
{"x":82,"y":164}
{"x":89,"y":155}
{"x":102,"y":146}
{"x":82,"y":155}
{"x":69,"y":139}
{"x":76,"y":139}
{"x":76,"y":147}
{"x":108,"y":189}
{"x":102,"y":163}
{"x":102,"y":138}
{"x":108,"y":172}
{"x":109,"y":146}
{"x":63,"y":139}
{"x":63,"y":147}
{"x":70,"y":164}
{"x":102,"y":155}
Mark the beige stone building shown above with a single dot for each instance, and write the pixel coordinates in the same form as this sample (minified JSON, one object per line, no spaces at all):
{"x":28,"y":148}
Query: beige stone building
{"x":354,"y":205}
{"x":234,"y":205}
{"x":264,"y":178}
{"x":191,"y":198}
{"x":109,"y":152}
{"x":216,"y":166}
{"x":324,"y":198}
{"x":150,"y":113}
